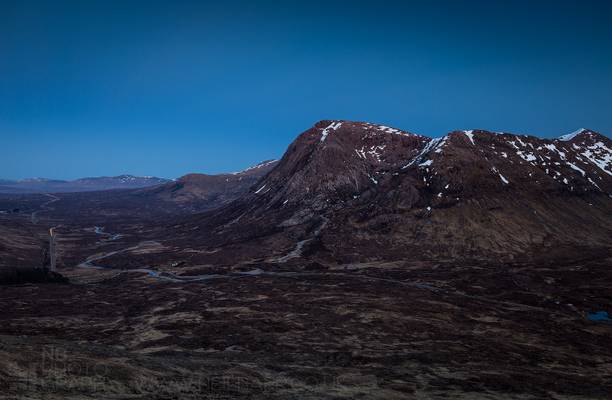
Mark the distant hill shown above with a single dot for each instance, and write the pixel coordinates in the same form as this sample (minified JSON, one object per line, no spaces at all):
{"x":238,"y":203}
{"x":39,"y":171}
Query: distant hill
{"x":186,"y":195}
{"x":200,"y":192}
{"x":42,"y":185}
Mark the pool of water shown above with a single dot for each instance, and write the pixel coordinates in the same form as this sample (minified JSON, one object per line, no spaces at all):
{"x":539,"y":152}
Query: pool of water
{"x":599,"y":316}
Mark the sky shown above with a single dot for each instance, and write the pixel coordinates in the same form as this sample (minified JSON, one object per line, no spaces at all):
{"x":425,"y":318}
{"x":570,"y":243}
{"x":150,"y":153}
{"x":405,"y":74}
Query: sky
{"x":165,"y":88}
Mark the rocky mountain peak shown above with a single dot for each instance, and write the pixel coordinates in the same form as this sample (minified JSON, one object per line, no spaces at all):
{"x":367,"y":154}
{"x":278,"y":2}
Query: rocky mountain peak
{"x":577,"y":134}
{"x":335,"y":160}
{"x":339,"y":161}
{"x":468,"y":191}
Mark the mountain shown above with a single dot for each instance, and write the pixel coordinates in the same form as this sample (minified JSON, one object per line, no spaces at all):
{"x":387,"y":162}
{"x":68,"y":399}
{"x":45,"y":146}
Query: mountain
{"x":354,"y":192}
{"x":42,"y":185}
{"x":189,"y":194}
{"x":202,"y":191}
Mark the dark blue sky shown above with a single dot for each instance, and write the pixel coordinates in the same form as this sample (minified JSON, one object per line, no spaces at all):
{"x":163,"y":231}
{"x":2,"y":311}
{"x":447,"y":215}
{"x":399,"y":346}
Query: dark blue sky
{"x":165,"y":88}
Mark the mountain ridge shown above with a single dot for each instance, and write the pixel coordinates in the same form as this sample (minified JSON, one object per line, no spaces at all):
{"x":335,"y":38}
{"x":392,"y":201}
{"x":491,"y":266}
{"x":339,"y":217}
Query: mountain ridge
{"x":86,"y":184}
{"x":198,"y":191}
{"x":351,"y":191}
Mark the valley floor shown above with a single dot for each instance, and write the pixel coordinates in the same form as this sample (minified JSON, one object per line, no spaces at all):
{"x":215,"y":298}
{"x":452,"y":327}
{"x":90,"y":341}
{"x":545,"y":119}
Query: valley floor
{"x":386,"y":331}
{"x":291,"y":329}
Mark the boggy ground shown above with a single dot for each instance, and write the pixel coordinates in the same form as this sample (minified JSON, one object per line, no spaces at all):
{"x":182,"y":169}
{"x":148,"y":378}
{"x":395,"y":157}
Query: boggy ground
{"x":308,"y":328}
{"x":378,"y":330}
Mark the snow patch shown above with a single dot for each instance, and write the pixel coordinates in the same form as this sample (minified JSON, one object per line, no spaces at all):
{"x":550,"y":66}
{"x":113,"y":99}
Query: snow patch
{"x":526,"y":156}
{"x":388,"y":129}
{"x":594,"y":184}
{"x":470,"y":135}
{"x":434,"y":145}
{"x":333,"y":126}
{"x":576,"y":168}
{"x":260,"y":165}
{"x":503,"y":179}
{"x":600,"y":155}
{"x":570,"y":136}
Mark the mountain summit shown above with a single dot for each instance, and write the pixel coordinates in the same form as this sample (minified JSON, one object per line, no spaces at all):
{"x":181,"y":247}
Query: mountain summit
{"x":354,"y":190}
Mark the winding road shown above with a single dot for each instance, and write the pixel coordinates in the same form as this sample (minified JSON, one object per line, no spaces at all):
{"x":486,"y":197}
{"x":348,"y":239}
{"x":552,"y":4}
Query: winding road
{"x":90,"y":262}
{"x":43,"y":207}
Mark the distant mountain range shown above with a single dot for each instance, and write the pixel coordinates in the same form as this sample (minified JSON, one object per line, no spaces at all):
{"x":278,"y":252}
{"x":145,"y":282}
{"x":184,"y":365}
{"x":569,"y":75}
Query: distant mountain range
{"x":42,"y":185}
{"x":148,"y":198}
{"x":203,"y":191}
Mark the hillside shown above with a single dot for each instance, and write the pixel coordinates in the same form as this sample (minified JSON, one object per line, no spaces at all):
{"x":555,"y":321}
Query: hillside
{"x":347,"y":191}
{"x":199,"y":192}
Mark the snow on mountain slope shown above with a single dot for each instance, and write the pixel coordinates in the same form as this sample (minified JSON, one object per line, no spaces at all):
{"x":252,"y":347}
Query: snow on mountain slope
{"x":356,"y":157}
{"x":370,"y":191}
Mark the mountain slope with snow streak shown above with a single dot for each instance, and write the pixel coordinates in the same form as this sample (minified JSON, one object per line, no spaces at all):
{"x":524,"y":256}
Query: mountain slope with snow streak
{"x":352,"y":191}
{"x":198,"y":192}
